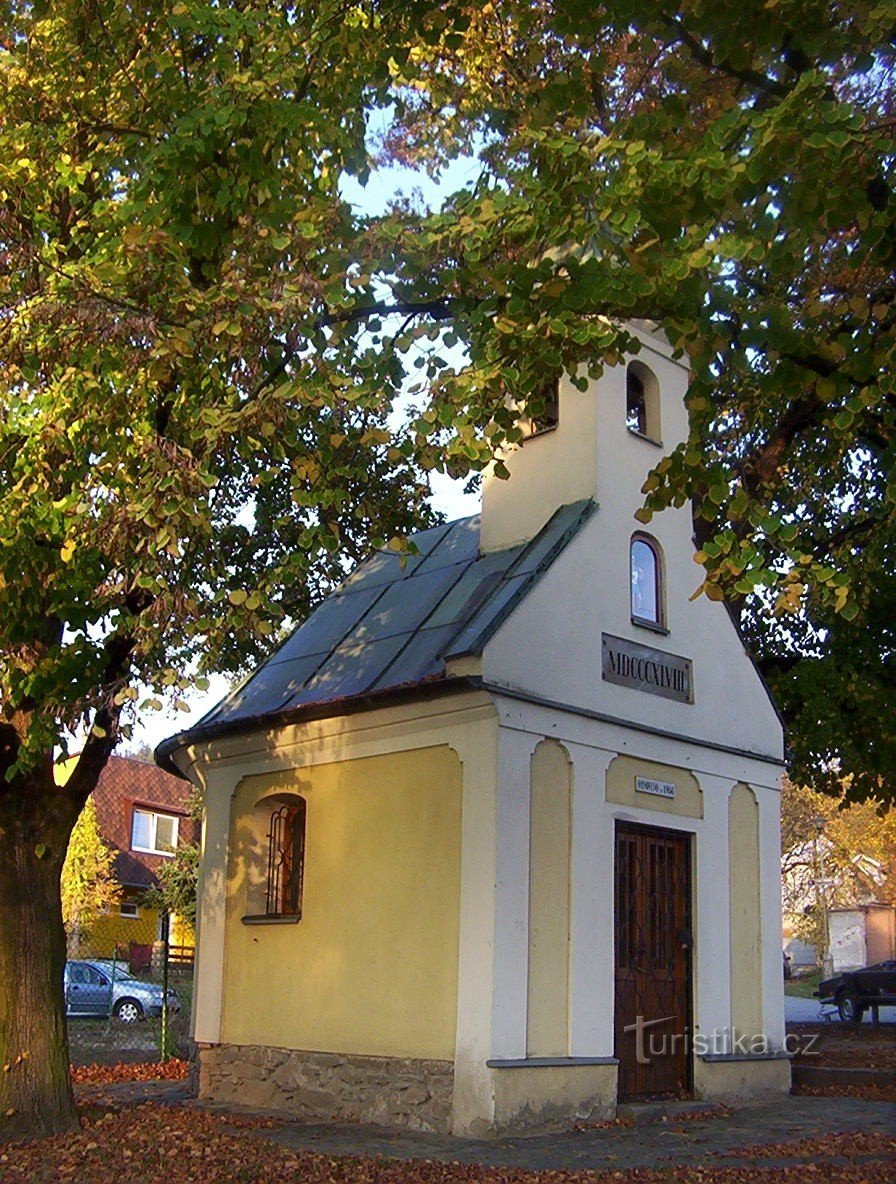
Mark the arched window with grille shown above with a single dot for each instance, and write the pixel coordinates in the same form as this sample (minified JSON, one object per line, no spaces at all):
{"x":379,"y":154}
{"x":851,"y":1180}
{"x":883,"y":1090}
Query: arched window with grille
{"x":286,"y":860}
{"x":647,"y":594}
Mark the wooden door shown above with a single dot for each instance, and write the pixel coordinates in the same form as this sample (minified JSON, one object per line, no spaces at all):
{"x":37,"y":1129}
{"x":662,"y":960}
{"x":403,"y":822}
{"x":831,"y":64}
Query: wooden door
{"x":653,"y":962}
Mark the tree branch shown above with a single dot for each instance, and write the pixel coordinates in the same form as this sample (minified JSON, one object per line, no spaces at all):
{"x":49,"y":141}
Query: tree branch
{"x":758,"y":469}
{"x":439,"y":310}
{"x":769,"y":86}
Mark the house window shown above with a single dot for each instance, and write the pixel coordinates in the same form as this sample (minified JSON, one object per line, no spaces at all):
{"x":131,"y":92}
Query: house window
{"x":647,"y":582}
{"x":154,"y":833}
{"x":642,"y":402}
{"x":286,"y":860}
{"x":128,"y":908}
{"x":544,"y":409}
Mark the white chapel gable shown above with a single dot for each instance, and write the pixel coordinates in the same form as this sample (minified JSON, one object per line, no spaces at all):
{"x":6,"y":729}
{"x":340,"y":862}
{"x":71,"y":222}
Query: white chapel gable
{"x":610,"y":627}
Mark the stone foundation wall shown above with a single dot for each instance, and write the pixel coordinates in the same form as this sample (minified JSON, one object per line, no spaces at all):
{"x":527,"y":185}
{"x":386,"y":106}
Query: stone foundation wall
{"x":390,"y":1091}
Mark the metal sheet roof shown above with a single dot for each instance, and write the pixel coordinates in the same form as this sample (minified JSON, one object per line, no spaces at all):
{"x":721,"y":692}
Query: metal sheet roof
{"x":395,"y":621}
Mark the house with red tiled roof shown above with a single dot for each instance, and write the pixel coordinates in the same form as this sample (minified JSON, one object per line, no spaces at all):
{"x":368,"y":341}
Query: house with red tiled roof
{"x":143,"y":816}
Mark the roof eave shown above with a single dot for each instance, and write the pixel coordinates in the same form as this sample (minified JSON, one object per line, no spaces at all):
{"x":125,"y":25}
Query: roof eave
{"x":350,"y":705}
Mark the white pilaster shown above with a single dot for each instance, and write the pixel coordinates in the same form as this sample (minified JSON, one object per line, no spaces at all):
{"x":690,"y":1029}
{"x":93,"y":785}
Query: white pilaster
{"x":211,"y":913}
{"x":473,"y":1102}
{"x":770,"y":911}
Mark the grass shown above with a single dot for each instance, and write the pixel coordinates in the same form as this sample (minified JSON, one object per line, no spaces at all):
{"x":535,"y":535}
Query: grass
{"x":805,"y":986}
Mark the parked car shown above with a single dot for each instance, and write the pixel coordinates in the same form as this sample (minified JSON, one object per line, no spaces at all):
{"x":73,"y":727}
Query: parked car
{"x":103,"y":988}
{"x":854,"y":991}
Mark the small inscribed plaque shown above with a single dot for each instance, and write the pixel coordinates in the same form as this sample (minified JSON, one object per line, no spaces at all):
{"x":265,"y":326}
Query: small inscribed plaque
{"x":659,"y":789}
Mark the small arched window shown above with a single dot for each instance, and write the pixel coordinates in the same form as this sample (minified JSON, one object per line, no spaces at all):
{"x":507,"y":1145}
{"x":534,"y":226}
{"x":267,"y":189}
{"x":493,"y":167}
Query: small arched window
{"x":642,"y":401}
{"x":543,"y":408}
{"x":286,"y":860}
{"x":647,"y":582}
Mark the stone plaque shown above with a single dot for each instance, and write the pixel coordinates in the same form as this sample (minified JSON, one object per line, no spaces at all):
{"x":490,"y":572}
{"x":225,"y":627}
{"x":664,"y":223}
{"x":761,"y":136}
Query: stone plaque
{"x":645,"y":669}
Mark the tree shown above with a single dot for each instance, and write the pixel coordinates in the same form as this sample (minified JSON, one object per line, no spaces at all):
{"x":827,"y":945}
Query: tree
{"x":177,"y":877}
{"x":187,"y":456}
{"x":203,"y":345}
{"x":727,"y":171}
{"x":88,"y":883}
{"x":857,"y":844}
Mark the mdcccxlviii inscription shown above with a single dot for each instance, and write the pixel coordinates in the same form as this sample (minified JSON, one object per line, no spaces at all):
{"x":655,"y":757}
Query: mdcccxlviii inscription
{"x":645,"y":669}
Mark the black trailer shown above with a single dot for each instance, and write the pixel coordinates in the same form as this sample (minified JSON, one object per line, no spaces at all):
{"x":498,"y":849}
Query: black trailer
{"x":853,"y":992}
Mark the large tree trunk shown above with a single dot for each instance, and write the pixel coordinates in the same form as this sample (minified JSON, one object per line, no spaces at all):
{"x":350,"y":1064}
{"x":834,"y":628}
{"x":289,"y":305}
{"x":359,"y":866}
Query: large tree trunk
{"x":36,"y":819}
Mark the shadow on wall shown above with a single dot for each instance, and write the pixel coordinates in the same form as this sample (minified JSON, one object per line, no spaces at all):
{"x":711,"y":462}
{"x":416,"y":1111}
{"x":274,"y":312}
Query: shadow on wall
{"x":371,"y":964}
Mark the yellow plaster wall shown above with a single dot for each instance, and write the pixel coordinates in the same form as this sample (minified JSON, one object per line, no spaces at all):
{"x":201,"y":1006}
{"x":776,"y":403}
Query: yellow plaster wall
{"x":547,"y":1018}
{"x":371,"y":967}
{"x":548,"y":471}
{"x":746,"y":928}
{"x":621,"y":774}
{"x":111,"y":930}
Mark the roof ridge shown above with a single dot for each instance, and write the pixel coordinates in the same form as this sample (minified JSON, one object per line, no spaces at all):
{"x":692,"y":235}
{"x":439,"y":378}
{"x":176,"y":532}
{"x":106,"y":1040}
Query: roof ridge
{"x":579,"y":512}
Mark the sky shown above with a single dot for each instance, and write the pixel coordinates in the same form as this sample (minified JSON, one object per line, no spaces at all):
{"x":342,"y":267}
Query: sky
{"x":447,"y":495}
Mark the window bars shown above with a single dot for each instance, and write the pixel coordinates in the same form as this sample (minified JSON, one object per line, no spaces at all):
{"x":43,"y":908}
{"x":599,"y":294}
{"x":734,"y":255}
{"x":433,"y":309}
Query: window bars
{"x":286,"y":860}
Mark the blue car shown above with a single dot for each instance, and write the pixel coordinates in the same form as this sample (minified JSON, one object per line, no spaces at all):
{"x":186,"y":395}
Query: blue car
{"x":103,"y":988}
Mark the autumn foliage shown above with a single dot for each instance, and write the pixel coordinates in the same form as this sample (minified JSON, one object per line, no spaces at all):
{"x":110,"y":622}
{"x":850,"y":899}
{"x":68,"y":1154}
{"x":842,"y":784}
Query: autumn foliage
{"x":221,"y":380}
{"x":172,"y":1070}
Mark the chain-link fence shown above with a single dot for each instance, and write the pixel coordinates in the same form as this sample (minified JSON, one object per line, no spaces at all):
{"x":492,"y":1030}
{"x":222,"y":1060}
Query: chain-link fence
{"x":130,"y":1002}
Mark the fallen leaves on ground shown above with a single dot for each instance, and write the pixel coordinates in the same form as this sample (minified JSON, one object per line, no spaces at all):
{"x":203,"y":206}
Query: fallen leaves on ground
{"x":869,"y":1093}
{"x":606,"y":1124}
{"x":843,"y":1145}
{"x":172,"y":1070}
{"x":151,"y":1144}
{"x":705,"y":1114}
{"x":845,"y":1046}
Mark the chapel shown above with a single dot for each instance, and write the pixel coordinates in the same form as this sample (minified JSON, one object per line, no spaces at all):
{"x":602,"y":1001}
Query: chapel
{"x":491,"y":842}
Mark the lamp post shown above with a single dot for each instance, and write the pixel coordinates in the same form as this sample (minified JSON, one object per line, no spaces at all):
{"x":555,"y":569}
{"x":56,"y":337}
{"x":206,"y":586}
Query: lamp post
{"x":821,"y":884}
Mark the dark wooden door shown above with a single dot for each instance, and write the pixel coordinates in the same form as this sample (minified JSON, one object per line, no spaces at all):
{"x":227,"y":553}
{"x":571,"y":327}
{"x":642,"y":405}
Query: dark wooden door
{"x":653,"y":962}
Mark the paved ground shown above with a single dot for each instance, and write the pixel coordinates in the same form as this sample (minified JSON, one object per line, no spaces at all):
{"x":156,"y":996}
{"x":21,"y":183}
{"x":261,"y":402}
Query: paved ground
{"x":801,"y":1011}
{"x":654,"y":1144}
{"x":719,"y":1139}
